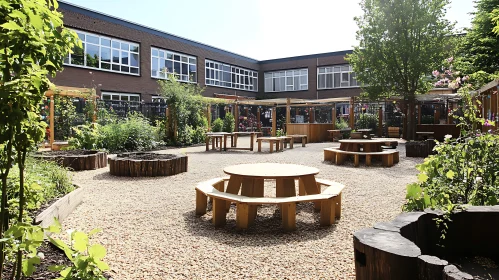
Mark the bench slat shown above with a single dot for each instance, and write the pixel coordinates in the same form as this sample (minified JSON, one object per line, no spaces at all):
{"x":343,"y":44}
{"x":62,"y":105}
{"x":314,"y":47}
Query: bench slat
{"x":360,"y":153}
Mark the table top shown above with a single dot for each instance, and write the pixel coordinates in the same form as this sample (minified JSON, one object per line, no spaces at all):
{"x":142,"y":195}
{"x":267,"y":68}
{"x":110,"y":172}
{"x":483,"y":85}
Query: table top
{"x":270,"y":170}
{"x":364,"y":130}
{"x":247,"y":132}
{"x":217,"y":133}
{"x":425,"y":132}
{"x":362,"y":141}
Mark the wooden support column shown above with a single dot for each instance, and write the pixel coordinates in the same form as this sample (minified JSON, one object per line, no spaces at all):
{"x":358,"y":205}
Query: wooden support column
{"x":208,"y":116}
{"x":311,"y":114}
{"x":449,"y":117}
{"x":236,"y":117}
{"x":419,"y":113}
{"x":258,"y":123}
{"x":436,"y":115}
{"x":380,"y":121}
{"x":404,"y":127}
{"x":94,"y":117}
{"x":51,"y":119}
{"x":351,"y":116}
{"x":288,"y":113}
{"x":333,"y":116}
{"x":274,"y":121}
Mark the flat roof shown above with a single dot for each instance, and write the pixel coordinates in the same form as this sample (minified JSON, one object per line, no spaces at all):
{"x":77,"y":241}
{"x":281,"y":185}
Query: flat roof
{"x":112,"y":19}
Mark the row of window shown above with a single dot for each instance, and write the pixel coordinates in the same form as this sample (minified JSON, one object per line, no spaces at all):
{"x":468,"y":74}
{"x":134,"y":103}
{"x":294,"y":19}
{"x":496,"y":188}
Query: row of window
{"x":115,"y":55}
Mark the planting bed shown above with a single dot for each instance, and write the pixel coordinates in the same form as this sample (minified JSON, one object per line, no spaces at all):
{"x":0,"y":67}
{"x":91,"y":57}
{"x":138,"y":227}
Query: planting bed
{"x":410,"y":247}
{"x":76,"y":159}
{"x":147,"y":164}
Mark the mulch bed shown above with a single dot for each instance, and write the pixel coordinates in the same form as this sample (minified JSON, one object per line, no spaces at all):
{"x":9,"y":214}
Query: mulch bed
{"x":69,"y":153}
{"x":146,"y":156}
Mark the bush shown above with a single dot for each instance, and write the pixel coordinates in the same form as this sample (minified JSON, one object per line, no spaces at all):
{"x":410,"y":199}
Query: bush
{"x":85,"y":137}
{"x":131,"y":134}
{"x":367,"y":121}
{"x":228,"y":123}
{"x":217,"y":125}
{"x":341,"y":123}
{"x":427,"y":119}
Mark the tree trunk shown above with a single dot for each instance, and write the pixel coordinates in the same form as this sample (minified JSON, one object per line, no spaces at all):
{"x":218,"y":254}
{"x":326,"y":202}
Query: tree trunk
{"x":411,"y":117}
{"x":21,"y":160}
{"x":4,"y":215}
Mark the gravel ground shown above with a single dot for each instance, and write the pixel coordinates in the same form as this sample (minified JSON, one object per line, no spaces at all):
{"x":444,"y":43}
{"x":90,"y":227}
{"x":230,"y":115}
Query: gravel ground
{"x":151,"y":231}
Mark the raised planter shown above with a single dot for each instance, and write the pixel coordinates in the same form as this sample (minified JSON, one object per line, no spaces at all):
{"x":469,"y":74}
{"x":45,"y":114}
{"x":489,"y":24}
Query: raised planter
{"x":410,"y":247}
{"x":393,"y":132}
{"x":356,"y":135}
{"x":147,"y":164}
{"x":76,"y":159}
{"x":419,"y":148}
{"x":60,"y":209}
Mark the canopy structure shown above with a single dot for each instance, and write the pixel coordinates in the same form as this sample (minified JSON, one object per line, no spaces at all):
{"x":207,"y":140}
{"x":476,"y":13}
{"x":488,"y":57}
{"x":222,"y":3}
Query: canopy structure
{"x":64,"y":91}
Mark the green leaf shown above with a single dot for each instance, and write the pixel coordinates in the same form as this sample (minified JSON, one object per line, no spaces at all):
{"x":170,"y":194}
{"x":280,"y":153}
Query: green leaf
{"x":11,"y":25}
{"x":66,"y":272}
{"x":55,"y":227}
{"x":422,"y":177}
{"x":80,"y":241}
{"x":94,"y":231}
{"x":450,"y":174}
{"x":97,"y":251}
{"x":28,"y":266}
{"x":102,"y":265}
{"x":54,"y":268}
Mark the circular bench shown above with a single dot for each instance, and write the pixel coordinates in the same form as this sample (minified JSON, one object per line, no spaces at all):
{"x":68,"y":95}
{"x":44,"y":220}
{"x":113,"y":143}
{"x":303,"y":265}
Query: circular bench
{"x":338,"y":156}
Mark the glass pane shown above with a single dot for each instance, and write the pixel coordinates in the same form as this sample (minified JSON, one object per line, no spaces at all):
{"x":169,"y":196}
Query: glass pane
{"x":169,"y":55}
{"x":115,"y":67}
{"x":116,"y":44}
{"x":92,"y":56}
{"x":124,"y":58}
{"x":296,"y":83}
{"x":77,"y":56}
{"x":106,"y":96}
{"x":289,"y":81}
{"x":192,"y":60}
{"x":345,"y":68}
{"x":322,"y":81}
{"x":106,"y":66}
{"x":81,"y":36}
{"x":162,"y":54}
{"x":92,"y":39}
{"x":337,"y":69}
{"x":125,"y":69}
{"x":337,"y":80}
{"x":154,"y":67}
{"x":176,"y":67}
{"x":176,"y":57}
{"x":169,"y":66}
{"x":268,"y":85}
{"x":124,"y":98}
{"x":134,"y":48}
{"x":105,"y":42}
{"x":184,"y":59}
{"x":193,"y":77}
{"x":345,"y":77}
{"x":162,"y":74}
{"x":134,"y":59}
{"x":125,"y":46}
{"x":192,"y":68}
{"x":115,"y":97}
{"x":289,"y":73}
{"x":134,"y":70}
{"x":353,"y":81}
{"x":329,"y":81}
{"x":134,"y":98}
{"x":267,"y":75}
{"x":322,"y":70}
{"x":105,"y":54}
{"x":184,"y":69}
{"x":66,"y":59}
{"x":208,"y":74}
{"x":304,"y":72}
{"x":155,"y":52}
{"x":304,"y":80}
{"x":116,"y":56}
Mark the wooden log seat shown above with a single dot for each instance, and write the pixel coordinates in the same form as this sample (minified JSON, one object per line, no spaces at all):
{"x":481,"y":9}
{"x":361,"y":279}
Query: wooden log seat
{"x":388,"y":158}
{"x":272,"y":140}
{"x":330,"y":200}
{"x":303,"y":138}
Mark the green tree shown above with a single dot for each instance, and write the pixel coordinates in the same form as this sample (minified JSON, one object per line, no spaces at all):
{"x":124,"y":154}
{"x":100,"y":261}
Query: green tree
{"x":400,"y":43}
{"x":33,"y":43}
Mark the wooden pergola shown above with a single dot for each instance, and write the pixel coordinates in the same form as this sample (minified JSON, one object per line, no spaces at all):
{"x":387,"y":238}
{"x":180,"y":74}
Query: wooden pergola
{"x":64,"y":91}
{"x":489,"y":107}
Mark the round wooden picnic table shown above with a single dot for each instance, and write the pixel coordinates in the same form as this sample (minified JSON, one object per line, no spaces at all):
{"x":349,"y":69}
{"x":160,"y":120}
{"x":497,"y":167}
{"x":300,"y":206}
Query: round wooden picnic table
{"x":367,"y":145}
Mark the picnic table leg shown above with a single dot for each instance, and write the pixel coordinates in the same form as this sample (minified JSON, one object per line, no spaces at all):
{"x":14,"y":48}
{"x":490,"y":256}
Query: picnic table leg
{"x":213,"y":142}
{"x":207,"y":140}
{"x":225,"y":143}
{"x":259,"y":145}
{"x":271,"y":146}
{"x":251,"y":141}
{"x":311,"y":188}
{"x":301,"y":188}
{"x":233,"y":187}
{"x":282,"y":143}
{"x":368,"y":160}
{"x":247,"y":189}
{"x":337,"y":201}
{"x":291,"y":142}
{"x":234,"y":143}
{"x":303,"y":141}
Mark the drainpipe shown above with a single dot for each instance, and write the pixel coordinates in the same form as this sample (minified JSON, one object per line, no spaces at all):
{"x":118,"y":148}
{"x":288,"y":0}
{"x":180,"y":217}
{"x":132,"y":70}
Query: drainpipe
{"x":317,"y":80}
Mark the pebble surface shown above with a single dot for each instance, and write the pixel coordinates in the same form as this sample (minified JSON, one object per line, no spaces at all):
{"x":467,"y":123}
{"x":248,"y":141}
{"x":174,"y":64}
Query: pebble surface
{"x":150,"y":229}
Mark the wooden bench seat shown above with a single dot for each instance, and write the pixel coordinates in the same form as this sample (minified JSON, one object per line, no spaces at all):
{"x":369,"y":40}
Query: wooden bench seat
{"x":285,"y":140}
{"x":272,"y":140}
{"x":336,"y":155}
{"x":303,"y":138}
{"x":330,"y":200}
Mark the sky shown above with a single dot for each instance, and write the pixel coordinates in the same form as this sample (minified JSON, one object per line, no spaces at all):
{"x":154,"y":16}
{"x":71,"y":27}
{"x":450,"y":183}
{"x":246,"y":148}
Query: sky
{"x":260,"y":29}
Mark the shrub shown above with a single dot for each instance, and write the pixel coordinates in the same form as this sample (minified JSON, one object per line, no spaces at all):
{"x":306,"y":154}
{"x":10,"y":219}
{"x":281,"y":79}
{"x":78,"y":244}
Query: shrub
{"x":341,"y":123}
{"x":65,"y":115}
{"x":217,"y":125}
{"x":131,"y":134}
{"x":280,"y":133}
{"x":427,"y":119}
{"x":85,"y":137}
{"x":367,"y":121}
{"x":228,"y":123}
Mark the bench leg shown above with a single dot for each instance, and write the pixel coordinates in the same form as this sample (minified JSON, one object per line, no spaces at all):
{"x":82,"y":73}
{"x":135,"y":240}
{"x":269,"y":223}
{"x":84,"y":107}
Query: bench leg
{"x":390,"y":160}
{"x":356,"y":160}
{"x":213,"y":139}
{"x":337,"y":201}
{"x":259,"y":146}
{"x":219,"y":213}
{"x":207,"y":140}
{"x":301,"y":188}
{"x":340,"y":158}
{"x":303,"y":141}
{"x":396,"y":157}
{"x":291,"y":143}
{"x":289,"y":216}
{"x":368,"y":160}
{"x":233,"y":187}
{"x":247,"y":189}
{"x":242,"y":216}
{"x":328,"y":212}
{"x":201,"y":203}
{"x":225,"y":143}
{"x":282,"y":144}
{"x":272,"y":146}
{"x":251,"y":141}
{"x":311,"y":188}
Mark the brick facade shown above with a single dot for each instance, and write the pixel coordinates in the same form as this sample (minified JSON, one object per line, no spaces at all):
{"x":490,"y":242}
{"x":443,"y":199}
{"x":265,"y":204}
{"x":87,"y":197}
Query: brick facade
{"x":93,"y":22}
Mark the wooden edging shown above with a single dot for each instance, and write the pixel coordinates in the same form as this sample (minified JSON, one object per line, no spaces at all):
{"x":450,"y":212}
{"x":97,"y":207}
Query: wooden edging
{"x":61,"y":208}
{"x":78,"y":162}
{"x":147,"y":168}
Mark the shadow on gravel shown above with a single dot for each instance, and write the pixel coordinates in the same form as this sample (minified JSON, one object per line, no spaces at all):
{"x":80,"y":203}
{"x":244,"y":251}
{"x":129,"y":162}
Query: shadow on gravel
{"x":267,"y":230}
{"x":106,"y":176}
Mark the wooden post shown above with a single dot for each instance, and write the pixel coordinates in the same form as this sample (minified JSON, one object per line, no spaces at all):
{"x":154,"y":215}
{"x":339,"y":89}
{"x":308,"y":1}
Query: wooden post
{"x":333,"y":116}
{"x":352,"y":117}
{"x":51,"y":119}
{"x":94,"y":117}
{"x":380,"y":121}
{"x":208,"y":116}
{"x":274,"y":121}
{"x":236,"y":117}
{"x":167,"y":117}
{"x":311,"y":113}
{"x":288,"y":113}
{"x":419,"y":113}
{"x":404,"y":127}
{"x":449,"y":117}
{"x":258,"y":124}
{"x":436,"y":116}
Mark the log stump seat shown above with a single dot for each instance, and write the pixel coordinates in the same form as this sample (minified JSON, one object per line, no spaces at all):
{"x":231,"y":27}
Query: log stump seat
{"x":147,"y":164}
{"x":335,"y":155}
{"x":76,"y":160}
{"x":329,"y":199}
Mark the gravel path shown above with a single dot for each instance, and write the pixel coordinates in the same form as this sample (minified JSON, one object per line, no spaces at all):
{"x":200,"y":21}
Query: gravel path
{"x":151,"y":231}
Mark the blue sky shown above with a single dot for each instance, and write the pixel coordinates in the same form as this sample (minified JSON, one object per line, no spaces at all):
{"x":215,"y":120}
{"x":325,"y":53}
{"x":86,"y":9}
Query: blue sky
{"x":260,"y":29}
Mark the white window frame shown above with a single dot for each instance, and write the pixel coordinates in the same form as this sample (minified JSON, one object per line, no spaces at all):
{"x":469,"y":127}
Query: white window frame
{"x":331,"y":70}
{"x":179,"y":76}
{"x":158,"y":99}
{"x":239,"y":78}
{"x":288,"y":73}
{"x":133,"y":103}
{"x":67,"y":59}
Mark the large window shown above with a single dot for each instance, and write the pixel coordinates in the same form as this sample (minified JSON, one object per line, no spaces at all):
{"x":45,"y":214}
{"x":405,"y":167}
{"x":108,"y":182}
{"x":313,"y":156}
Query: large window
{"x":105,"y":53}
{"x":163,"y":61}
{"x":225,"y":75}
{"x":289,"y":80}
{"x":117,"y":99}
{"x":336,"y":77}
